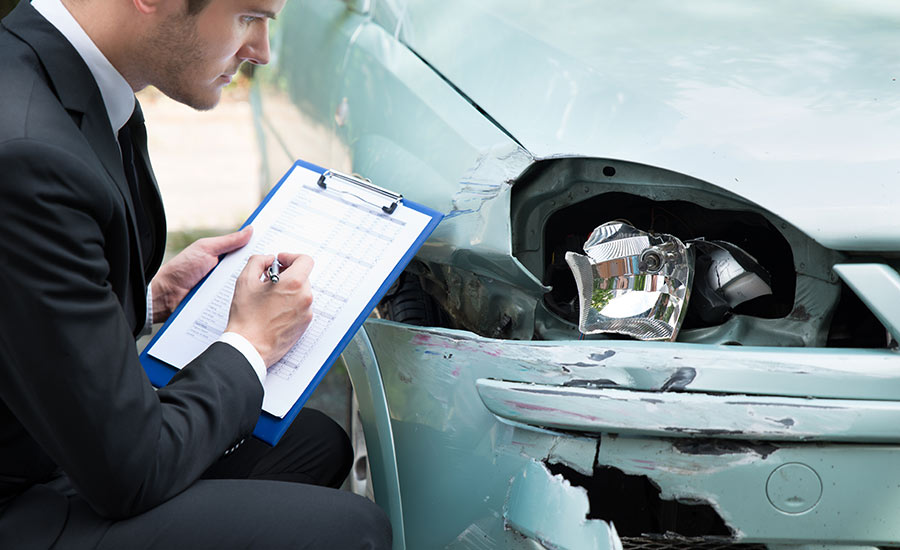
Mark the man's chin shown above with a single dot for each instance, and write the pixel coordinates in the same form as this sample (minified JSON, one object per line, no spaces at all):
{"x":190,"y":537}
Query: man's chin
{"x":201,"y":101}
{"x":206,"y":101}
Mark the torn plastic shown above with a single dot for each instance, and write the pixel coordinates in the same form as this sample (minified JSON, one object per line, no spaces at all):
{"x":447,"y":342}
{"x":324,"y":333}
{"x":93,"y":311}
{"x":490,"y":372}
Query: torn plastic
{"x":638,"y":284}
{"x":547,"y":508}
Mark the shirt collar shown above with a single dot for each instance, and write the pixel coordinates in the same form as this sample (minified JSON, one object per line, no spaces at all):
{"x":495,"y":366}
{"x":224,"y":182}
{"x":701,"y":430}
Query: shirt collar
{"x":118,"y":97}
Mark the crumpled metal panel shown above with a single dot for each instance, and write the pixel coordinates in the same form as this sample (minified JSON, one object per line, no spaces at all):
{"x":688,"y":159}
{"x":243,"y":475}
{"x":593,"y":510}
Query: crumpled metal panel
{"x":662,"y":366}
{"x":857,"y":506}
{"x":428,"y":143}
{"x":443,"y":434}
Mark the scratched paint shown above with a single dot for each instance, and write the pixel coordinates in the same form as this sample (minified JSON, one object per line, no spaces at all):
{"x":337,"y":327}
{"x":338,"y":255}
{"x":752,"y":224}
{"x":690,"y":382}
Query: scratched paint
{"x":800,"y":372}
{"x":441,"y":425}
{"x":610,"y":410}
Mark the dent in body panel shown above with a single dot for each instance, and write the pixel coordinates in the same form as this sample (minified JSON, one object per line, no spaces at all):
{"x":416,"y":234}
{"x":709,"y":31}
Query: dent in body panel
{"x":799,"y":372}
{"x":691,"y":414}
{"x":492,"y":174}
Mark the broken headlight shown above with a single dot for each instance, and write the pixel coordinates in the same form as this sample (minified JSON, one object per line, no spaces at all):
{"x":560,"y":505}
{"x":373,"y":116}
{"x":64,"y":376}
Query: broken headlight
{"x":637,"y":283}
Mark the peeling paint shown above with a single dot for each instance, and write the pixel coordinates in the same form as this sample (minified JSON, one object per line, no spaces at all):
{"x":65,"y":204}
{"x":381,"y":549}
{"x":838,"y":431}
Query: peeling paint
{"x":595,"y":383}
{"x":825,"y":373}
{"x":719,"y":447}
{"x":786,"y":422}
{"x":690,"y":414}
{"x":680,"y":379}
{"x":441,"y":424}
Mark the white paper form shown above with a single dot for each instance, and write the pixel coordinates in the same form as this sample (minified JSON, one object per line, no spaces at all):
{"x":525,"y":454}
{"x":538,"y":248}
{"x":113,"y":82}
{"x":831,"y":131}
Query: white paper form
{"x":355,"y":247}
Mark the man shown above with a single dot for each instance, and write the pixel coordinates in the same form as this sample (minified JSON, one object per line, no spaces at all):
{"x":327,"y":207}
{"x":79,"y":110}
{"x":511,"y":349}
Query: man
{"x":90,"y":455}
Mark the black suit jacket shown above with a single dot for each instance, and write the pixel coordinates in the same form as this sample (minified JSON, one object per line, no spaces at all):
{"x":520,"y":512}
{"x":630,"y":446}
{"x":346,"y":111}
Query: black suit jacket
{"x":72,"y":296}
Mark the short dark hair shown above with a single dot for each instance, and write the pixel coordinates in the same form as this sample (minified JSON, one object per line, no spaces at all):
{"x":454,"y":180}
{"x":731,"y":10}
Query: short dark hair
{"x":196,"y":6}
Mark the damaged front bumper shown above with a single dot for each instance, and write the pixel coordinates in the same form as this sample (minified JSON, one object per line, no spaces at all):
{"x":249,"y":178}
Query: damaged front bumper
{"x":485,"y":443}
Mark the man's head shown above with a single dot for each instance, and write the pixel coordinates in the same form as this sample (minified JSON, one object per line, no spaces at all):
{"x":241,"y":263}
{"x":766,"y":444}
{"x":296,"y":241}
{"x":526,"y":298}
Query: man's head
{"x":196,"y":46}
{"x":189,"y":49}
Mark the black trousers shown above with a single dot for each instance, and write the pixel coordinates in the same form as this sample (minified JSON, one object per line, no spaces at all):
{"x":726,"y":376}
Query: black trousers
{"x":256,"y":497}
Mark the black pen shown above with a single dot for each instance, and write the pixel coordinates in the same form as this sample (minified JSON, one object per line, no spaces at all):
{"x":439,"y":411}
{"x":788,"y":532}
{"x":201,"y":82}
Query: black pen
{"x":274,"y":270}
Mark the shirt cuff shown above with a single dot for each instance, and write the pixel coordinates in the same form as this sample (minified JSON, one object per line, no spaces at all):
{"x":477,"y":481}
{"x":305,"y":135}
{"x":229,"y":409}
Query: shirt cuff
{"x":253,"y":357}
{"x":148,"y":321}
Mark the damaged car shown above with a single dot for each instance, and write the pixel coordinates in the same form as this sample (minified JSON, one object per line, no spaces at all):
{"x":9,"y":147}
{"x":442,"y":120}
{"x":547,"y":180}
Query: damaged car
{"x":661,"y":311}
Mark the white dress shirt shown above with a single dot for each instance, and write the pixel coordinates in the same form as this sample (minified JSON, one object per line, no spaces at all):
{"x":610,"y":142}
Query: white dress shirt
{"x":118,"y":98}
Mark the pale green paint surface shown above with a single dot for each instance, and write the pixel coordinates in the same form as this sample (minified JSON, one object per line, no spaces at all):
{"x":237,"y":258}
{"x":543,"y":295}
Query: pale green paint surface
{"x":692,"y":414}
{"x":382,"y":460}
{"x":444,"y":435}
{"x":792,"y":105}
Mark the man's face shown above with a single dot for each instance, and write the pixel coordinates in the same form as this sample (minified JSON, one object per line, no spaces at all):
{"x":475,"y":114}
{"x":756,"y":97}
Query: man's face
{"x":192,"y":57}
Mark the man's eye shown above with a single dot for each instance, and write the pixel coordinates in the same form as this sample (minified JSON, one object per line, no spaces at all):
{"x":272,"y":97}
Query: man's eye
{"x":247,"y":19}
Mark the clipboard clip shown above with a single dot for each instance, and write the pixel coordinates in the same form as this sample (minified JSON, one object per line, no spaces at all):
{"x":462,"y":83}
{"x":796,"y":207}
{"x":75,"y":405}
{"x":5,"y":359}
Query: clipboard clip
{"x":391,"y":199}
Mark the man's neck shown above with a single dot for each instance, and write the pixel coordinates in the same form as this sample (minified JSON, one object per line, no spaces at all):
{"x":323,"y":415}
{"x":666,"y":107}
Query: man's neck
{"x":110,"y":31}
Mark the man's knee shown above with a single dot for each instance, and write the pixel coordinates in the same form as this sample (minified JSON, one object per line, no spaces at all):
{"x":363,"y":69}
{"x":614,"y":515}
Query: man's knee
{"x":334,"y":453}
{"x":372,"y":522}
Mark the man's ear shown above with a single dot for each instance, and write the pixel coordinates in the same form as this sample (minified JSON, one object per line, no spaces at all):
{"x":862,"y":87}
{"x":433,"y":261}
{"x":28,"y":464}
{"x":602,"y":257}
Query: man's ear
{"x":148,"y":7}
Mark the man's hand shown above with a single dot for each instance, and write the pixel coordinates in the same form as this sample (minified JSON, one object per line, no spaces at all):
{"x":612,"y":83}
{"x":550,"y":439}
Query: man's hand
{"x":180,"y":274}
{"x":272,"y":316}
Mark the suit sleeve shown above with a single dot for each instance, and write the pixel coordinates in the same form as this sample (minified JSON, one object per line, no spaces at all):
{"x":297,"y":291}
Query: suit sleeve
{"x":68,"y":364}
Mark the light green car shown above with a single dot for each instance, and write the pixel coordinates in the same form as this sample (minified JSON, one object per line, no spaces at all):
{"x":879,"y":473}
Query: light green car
{"x":492,"y":419}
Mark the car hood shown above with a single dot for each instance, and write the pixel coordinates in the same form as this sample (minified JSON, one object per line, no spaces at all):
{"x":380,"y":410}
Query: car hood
{"x":791,"y":105}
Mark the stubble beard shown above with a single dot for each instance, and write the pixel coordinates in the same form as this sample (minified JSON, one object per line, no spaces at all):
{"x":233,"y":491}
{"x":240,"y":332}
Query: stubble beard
{"x":176,"y":53}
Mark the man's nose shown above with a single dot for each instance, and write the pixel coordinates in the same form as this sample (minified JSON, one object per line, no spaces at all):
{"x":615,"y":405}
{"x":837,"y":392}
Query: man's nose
{"x":256,"y":48}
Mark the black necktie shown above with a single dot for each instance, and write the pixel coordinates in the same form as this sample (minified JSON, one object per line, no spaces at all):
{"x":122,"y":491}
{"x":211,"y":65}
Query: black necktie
{"x":146,"y":238}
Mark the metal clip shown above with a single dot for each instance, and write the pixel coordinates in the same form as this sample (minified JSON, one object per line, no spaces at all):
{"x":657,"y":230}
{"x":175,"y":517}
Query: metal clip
{"x":393,"y":199}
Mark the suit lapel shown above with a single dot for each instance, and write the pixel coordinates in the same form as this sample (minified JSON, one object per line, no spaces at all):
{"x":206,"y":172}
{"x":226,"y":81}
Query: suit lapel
{"x":78,"y":93}
{"x":74,"y":86}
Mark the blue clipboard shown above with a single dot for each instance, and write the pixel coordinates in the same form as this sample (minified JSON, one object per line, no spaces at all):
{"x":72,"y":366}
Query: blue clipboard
{"x":270,"y":428}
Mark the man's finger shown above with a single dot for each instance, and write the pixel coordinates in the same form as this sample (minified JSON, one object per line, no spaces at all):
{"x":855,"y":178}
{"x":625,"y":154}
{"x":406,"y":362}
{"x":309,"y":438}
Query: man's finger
{"x":257,"y":264}
{"x":301,"y":264}
{"x":227,"y":243}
